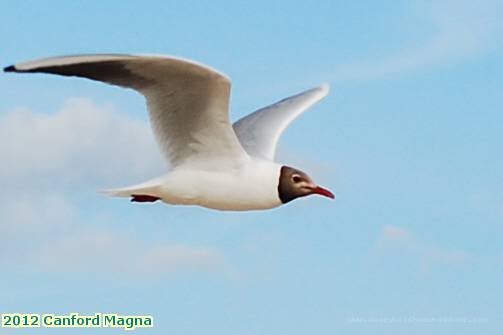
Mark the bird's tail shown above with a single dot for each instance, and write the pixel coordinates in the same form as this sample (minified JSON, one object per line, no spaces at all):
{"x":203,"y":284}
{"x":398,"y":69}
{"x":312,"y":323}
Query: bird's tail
{"x":148,"y":191}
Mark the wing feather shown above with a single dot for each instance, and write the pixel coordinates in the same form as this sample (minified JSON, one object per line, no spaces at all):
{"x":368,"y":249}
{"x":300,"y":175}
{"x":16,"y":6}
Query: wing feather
{"x":260,"y":131}
{"x":188,"y":102}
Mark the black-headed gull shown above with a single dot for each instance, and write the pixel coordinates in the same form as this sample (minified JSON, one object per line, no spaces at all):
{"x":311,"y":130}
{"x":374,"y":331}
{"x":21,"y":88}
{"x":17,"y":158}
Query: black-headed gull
{"x":212,"y":163}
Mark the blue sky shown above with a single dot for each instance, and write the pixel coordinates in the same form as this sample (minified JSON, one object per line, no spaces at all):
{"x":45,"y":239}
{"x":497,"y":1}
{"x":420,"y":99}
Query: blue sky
{"x":409,"y":139}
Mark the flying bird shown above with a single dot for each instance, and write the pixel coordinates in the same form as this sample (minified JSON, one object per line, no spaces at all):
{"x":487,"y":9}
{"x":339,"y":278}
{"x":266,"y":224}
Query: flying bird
{"x":212,"y":163}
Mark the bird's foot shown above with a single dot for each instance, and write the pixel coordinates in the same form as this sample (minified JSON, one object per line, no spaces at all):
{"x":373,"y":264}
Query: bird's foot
{"x":144,"y":198}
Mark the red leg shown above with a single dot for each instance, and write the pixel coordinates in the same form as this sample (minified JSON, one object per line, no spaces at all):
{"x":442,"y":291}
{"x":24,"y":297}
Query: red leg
{"x":144,"y":198}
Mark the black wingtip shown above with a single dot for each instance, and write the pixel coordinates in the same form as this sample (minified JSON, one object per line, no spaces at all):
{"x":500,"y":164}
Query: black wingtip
{"x":11,"y":68}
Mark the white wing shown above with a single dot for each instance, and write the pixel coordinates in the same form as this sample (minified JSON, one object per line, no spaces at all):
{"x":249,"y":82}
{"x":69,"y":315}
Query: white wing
{"x":188,"y":102}
{"x":259,"y":132}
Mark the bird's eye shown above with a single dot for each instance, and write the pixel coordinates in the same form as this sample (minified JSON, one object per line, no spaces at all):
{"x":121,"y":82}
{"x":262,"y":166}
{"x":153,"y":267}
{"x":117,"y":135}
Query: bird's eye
{"x":296,"y":179}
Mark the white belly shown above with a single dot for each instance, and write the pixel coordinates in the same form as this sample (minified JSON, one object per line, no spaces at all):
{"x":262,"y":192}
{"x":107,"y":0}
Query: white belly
{"x":255,"y":186}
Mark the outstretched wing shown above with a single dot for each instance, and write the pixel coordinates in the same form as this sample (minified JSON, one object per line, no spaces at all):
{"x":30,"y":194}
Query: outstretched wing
{"x":188,"y":102}
{"x":260,"y":131}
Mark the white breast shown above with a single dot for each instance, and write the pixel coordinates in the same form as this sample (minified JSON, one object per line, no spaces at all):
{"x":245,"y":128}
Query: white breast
{"x":252,"y":186}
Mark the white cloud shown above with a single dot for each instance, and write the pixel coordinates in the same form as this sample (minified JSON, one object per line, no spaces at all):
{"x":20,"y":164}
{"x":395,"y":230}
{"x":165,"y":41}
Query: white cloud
{"x":463,"y":29}
{"x":22,"y":214}
{"x":105,"y":252}
{"x":396,"y":234}
{"x":50,"y":236}
{"x":49,"y":160}
{"x":83,"y":144}
{"x":177,"y":257}
{"x":404,"y":241}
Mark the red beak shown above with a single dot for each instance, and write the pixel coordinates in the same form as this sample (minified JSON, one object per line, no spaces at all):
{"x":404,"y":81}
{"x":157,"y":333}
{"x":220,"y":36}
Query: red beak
{"x":324,"y":192}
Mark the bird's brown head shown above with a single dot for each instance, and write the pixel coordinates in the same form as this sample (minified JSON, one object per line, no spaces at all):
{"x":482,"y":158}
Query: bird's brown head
{"x":294,"y":183}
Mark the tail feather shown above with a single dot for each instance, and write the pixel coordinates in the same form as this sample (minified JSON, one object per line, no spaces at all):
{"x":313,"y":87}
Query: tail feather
{"x":148,"y":189}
